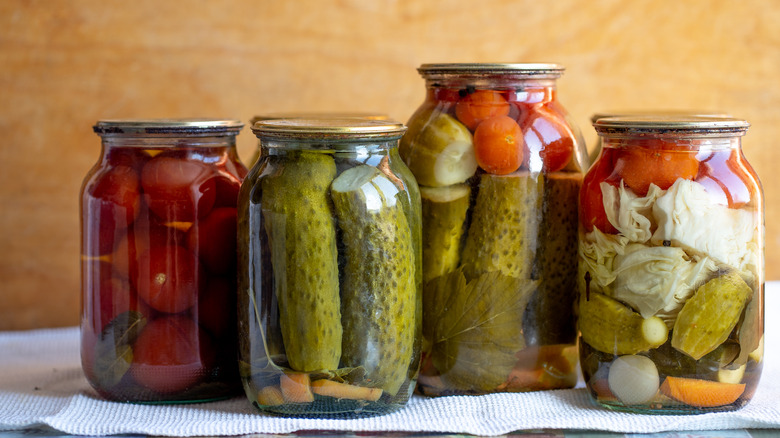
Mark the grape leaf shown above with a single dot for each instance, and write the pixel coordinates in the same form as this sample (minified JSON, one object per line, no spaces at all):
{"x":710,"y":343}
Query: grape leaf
{"x":475,"y":327}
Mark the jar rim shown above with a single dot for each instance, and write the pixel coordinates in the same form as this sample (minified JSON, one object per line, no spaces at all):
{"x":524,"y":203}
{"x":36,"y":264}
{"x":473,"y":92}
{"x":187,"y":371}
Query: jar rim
{"x":678,"y":125}
{"x":333,"y":129}
{"x":525,"y":70}
{"x":181,"y":126}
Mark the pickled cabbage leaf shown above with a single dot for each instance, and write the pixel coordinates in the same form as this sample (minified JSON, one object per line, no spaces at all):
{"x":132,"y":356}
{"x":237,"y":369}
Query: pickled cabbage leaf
{"x":687,"y":217}
{"x":597,"y":254}
{"x":629,"y":214}
{"x":658,"y":279}
{"x":475,"y":327}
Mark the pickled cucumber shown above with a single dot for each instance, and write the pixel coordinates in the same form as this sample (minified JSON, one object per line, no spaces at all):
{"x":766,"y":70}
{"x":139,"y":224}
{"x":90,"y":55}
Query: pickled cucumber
{"x":549,"y":318}
{"x":379,"y":293}
{"x":302,"y":240}
{"x":440,"y":151}
{"x":444,"y":211}
{"x":709,"y":316}
{"x":611,"y":327}
{"x":502,"y":234}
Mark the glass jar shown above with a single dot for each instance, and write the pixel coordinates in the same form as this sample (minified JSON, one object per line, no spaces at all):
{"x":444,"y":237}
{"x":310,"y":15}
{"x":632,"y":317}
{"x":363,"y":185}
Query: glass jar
{"x":671,"y":258}
{"x":311,"y":116}
{"x":158,"y":261}
{"x":500,"y":166}
{"x":329,"y":270}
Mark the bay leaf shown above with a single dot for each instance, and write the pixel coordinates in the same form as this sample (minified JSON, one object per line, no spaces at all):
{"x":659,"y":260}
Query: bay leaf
{"x":113,"y":350}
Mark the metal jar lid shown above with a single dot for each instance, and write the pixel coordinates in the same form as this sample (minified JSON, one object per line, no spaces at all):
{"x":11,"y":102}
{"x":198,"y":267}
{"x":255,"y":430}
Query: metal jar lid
{"x":681,"y":126}
{"x":318,"y":115}
{"x":184,"y":127}
{"x":329,"y":129}
{"x":657,"y":113}
{"x":481,"y":70}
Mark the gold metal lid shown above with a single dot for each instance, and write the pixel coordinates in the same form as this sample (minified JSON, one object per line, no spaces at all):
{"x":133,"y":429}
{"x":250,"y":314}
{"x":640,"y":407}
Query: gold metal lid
{"x":331,"y":129}
{"x":319,"y":115}
{"x":189,"y":126}
{"x":674,"y":125}
{"x":519,"y":70}
{"x":656,"y":113}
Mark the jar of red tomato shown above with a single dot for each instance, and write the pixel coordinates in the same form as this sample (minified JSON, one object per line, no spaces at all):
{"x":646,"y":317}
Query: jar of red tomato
{"x":671,"y":256}
{"x":499,"y":165}
{"x":158,"y":261}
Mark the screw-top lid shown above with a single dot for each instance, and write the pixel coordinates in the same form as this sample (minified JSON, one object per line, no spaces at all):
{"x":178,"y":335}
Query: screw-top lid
{"x":712,"y":126}
{"x":330,"y":129}
{"x":189,"y":127}
{"x":517,"y":70}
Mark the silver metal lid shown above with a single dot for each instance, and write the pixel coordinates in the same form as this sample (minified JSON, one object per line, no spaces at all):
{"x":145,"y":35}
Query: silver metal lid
{"x":520,"y":70}
{"x":191,"y":126}
{"x":332,"y":129}
{"x":676,"y":125}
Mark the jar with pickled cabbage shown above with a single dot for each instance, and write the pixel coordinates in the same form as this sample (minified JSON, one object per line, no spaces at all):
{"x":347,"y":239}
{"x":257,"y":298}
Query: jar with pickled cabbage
{"x":499,"y":164}
{"x":158,"y":261}
{"x":671,"y":266}
{"x":329,"y":270}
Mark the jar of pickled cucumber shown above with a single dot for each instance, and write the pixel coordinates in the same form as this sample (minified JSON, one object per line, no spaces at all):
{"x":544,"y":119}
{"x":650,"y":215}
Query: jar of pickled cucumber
{"x":329,"y":270}
{"x":499,"y":164}
{"x":158,"y":261}
{"x":671,"y":260}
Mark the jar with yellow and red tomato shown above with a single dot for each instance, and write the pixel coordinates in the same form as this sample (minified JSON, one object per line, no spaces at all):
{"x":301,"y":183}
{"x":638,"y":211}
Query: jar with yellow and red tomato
{"x":158,"y":261}
{"x":499,"y":164}
{"x":671,"y":256}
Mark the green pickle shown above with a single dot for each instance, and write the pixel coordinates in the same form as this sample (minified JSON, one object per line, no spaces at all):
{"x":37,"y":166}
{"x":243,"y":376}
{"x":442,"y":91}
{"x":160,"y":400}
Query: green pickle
{"x":501,"y":237}
{"x":444,"y":212}
{"x":302,"y":235}
{"x":330,"y":270}
{"x":710,"y":315}
{"x":379,"y":274}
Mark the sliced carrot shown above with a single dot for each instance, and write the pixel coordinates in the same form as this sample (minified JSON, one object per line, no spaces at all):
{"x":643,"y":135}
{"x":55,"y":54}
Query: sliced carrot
{"x":270,"y":396}
{"x":701,"y":393}
{"x":296,"y":388}
{"x":345,"y":390}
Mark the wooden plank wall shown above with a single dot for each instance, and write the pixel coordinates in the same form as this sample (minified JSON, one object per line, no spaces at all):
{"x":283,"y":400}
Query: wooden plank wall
{"x":65,"y":64}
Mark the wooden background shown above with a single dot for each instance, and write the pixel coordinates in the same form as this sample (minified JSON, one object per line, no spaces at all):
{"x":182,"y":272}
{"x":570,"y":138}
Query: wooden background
{"x":66,"y":64}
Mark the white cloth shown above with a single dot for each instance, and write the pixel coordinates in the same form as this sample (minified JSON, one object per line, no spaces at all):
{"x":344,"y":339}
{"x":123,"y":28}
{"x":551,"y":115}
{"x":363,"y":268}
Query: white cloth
{"x":41,"y":384}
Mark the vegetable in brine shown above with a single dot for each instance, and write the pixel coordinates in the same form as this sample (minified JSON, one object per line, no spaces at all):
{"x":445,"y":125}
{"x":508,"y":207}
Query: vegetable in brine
{"x":302,"y":234}
{"x":378,"y":282}
{"x":444,"y":211}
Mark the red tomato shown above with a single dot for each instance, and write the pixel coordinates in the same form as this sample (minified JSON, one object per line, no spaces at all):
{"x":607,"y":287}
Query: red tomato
{"x":213,"y":240}
{"x":639,"y":166}
{"x":592,"y":213}
{"x":450,"y":95}
{"x":111,"y":204}
{"x":171,"y":354}
{"x":132,"y":157}
{"x":177,"y":189}
{"x":147,"y":231}
{"x":725,"y":176}
{"x":480,"y":105}
{"x":217,"y":308}
{"x":498,"y":145}
{"x":532,"y":95}
{"x":227,"y":187}
{"x":169,"y":278}
{"x":547,"y":135}
{"x":107,"y":296}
